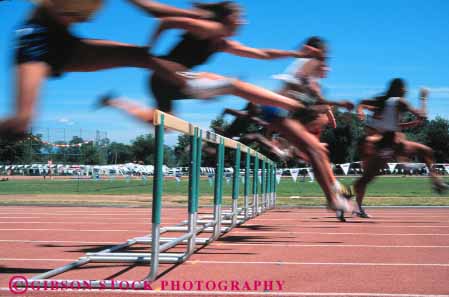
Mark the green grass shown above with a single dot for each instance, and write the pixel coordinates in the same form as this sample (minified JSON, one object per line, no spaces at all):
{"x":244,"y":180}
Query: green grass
{"x":382,"y":187}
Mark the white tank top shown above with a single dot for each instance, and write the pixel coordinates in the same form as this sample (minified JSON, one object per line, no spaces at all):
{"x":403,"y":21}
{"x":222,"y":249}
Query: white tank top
{"x":292,"y":73}
{"x":389,"y":117}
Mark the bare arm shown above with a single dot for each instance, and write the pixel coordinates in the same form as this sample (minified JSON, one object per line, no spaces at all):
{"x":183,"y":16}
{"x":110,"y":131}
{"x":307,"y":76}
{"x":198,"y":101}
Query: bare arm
{"x":411,"y":124}
{"x":259,"y":121}
{"x":419,"y":113}
{"x":200,"y":28}
{"x":315,"y":90}
{"x":160,"y":10}
{"x":238,"y":49}
{"x":237,"y":113}
{"x":368,"y":104}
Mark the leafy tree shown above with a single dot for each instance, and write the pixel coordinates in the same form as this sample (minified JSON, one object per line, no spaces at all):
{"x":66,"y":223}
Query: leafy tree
{"x":119,"y":153}
{"x":436,"y":136}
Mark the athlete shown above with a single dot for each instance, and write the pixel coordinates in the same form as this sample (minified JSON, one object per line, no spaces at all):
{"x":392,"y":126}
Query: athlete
{"x":386,"y":142}
{"x":46,"y":48}
{"x":207,"y":30}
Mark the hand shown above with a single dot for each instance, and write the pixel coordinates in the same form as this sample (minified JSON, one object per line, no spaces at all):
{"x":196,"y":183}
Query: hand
{"x":321,"y":108}
{"x":347,"y":104}
{"x":311,"y":51}
{"x":361,"y":115}
{"x":423,"y":93}
{"x":421,"y":115}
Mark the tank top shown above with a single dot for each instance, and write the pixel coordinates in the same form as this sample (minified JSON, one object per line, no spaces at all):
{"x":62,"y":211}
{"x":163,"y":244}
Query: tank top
{"x":388,"y":121}
{"x":192,"y":51}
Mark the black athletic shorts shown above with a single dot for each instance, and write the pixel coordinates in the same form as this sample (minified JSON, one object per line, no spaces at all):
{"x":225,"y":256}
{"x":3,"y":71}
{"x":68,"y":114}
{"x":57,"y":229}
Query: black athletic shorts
{"x":40,"y":40}
{"x":165,"y":92}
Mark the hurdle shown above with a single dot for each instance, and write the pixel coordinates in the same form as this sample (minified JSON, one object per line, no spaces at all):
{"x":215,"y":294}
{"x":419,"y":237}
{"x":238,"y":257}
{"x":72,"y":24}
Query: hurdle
{"x":220,"y":222}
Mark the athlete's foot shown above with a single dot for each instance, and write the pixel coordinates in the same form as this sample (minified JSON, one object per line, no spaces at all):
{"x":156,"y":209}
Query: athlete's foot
{"x":340,"y":215}
{"x":440,"y":186}
{"x":361,"y":213}
{"x":12,"y":130}
{"x":104,"y":100}
{"x":346,"y":191}
{"x":341,"y":204}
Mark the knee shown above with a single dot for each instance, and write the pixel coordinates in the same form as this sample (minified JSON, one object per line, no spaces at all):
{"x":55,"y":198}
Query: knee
{"x":14,"y":129}
{"x":317,"y":152}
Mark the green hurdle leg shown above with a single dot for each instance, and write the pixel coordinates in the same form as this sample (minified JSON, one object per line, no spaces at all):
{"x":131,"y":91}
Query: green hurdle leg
{"x":274,"y":186}
{"x":255,"y":186}
{"x":193,"y":191}
{"x":269,"y":185}
{"x":218,"y":188}
{"x":263,"y":187}
{"x":235,"y":186}
{"x":246,"y":186}
{"x":158,"y":179}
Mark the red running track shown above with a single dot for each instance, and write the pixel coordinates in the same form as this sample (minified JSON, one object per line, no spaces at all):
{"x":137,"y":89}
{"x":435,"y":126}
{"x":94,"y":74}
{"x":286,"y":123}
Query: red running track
{"x":293,"y":252}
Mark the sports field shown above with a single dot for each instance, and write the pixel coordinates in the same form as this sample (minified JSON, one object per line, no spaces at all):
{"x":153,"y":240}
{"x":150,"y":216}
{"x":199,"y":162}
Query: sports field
{"x":385,"y":191}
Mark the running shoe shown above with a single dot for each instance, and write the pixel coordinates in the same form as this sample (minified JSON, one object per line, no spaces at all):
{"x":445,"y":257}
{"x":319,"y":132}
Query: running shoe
{"x":104,"y":100}
{"x":340,"y":215}
{"x":440,"y":187}
{"x":361,"y":213}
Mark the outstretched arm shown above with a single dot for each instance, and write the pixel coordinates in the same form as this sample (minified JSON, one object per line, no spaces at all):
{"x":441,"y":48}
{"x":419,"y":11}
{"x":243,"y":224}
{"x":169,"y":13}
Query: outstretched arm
{"x":411,"y":124}
{"x":160,"y":10}
{"x":315,"y":91}
{"x":236,"y":48}
{"x":420,"y":113}
{"x":368,"y":104}
{"x":234,"y":112}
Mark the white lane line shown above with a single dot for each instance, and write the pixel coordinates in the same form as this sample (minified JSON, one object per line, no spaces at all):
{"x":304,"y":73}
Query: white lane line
{"x":77,"y":230}
{"x":196,"y":262}
{"x":371,"y":226}
{"x":78,"y":223}
{"x":333,"y":245}
{"x":375,"y":219}
{"x":234,"y":232}
{"x":237,"y":293}
{"x":242,"y":244}
{"x":246,"y":225}
{"x":339,"y":233}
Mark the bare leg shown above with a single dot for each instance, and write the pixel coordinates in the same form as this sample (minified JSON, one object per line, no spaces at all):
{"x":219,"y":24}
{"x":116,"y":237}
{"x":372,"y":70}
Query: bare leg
{"x":275,"y":149}
{"x":371,"y":166}
{"x":250,"y":92}
{"x":93,"y":55}
{"x":426,"y":154}
{"x":131,"y":108}
{"x":30,"y":77}
{"x":316,"y":126}
{"x":263,"y":96}
{"x":296,"y":134}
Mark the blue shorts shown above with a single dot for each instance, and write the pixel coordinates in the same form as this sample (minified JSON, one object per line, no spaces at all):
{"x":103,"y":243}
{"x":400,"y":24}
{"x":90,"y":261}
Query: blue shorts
{"x":271,"y":113}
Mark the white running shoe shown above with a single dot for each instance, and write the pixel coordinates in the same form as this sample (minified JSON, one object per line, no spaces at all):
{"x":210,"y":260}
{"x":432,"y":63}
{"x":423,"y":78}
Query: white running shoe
{"x":204,"y":88}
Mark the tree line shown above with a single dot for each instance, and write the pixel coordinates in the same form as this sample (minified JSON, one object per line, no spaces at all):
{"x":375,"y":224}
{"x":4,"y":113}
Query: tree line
{"x":342,"y":143}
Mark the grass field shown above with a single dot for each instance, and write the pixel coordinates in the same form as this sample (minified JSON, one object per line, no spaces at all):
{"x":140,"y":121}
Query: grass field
{"x":384,"y":191}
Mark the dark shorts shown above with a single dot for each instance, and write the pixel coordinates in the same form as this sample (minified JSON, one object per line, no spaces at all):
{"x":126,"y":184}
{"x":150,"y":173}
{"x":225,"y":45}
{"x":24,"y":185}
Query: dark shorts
{"x":40,"y":43}
{"x":165,"y":92}
{"x":305,"y":116}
